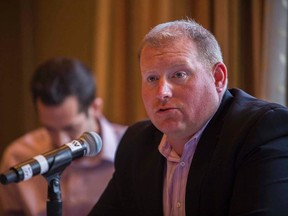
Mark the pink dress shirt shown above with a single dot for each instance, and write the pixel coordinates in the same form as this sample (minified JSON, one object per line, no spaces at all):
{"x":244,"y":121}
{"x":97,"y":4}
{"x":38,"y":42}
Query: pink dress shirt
{"x":176,"y":174}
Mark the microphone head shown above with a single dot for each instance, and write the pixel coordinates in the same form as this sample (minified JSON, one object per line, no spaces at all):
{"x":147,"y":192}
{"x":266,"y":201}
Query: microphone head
{"x":93,"y":142}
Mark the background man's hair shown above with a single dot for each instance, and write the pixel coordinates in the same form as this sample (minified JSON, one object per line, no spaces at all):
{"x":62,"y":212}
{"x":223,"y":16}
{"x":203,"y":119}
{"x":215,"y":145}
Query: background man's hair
{"x":58,"y":78}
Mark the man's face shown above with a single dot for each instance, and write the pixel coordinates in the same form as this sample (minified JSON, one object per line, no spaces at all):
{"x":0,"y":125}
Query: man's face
{"x":180,"y":94}
{"x":64,"y":122}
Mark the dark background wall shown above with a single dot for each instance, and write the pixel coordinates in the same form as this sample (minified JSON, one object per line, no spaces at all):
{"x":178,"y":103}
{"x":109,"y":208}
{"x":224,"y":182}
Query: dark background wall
{"x":30,"y":32}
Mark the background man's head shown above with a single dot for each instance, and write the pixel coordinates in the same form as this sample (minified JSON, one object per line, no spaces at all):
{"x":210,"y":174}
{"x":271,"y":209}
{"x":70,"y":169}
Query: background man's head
{"x":58,"y":78}
{"x":64,"y":94}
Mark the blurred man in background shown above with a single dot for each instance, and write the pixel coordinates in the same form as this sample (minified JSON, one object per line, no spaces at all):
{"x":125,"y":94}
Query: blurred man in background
{"x":64,"y":95}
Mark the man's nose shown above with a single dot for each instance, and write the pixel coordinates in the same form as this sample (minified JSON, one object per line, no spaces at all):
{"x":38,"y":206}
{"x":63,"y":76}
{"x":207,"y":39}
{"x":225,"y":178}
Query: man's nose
{"x":164,"y":89}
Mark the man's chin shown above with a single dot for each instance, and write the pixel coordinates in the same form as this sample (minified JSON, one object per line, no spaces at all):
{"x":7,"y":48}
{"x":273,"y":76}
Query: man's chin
{"x":168,"y":127}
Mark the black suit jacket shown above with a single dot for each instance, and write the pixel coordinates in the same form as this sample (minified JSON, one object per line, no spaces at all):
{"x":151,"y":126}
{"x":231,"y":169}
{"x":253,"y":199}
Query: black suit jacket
{"x":240,"y":166}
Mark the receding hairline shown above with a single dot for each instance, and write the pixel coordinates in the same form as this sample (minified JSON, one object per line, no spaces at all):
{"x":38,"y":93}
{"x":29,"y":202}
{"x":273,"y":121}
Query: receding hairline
{"x":164,"y":33}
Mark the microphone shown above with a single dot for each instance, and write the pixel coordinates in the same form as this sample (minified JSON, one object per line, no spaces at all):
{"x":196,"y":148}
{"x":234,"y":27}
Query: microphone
{"x":89,"y":144}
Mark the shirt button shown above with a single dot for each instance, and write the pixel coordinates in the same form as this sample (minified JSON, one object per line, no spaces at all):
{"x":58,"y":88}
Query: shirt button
{"x":182,"y":164}
{"x":178,"y":205}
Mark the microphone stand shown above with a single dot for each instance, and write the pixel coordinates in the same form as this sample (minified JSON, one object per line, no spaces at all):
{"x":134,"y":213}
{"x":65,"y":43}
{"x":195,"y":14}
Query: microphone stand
{"x":54,"y":202}
{"x":53,"y":177}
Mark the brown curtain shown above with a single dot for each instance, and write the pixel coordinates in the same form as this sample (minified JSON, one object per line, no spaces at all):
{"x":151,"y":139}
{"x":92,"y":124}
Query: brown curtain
{"x":120,"y":25}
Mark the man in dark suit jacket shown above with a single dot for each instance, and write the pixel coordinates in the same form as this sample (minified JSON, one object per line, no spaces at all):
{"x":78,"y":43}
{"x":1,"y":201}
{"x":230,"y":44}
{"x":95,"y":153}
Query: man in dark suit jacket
{"x":207,"y":150}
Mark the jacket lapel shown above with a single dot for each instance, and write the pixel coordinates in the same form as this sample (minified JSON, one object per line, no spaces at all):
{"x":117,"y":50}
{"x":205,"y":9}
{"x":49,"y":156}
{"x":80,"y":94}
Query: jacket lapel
{"x":151,"y":170}
{"x":202,"y":157}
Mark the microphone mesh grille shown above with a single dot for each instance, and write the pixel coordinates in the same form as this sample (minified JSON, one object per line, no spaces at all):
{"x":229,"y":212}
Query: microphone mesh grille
{"x":93,"y":142}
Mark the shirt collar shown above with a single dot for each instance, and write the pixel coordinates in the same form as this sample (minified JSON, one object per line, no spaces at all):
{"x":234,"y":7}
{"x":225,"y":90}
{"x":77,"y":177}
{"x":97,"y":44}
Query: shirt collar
{"x":167,"y":151}
{"x":109,"y":139}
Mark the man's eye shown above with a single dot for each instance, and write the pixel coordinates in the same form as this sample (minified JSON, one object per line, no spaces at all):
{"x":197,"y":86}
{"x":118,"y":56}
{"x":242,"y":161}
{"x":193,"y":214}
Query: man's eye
{"x":180,"y":74}
{"x":72,"y":129}
{"x":152,"y":78}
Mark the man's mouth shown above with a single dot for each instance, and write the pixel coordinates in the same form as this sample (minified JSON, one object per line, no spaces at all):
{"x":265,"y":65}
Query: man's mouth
{"x":165,"y":109}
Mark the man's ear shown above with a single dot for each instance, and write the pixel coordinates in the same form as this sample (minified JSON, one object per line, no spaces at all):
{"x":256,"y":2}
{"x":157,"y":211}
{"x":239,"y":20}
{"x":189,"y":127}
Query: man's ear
{"x":220,"y":76}
{"x":96,"y":108}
